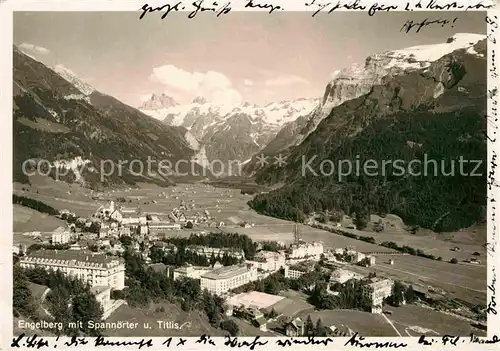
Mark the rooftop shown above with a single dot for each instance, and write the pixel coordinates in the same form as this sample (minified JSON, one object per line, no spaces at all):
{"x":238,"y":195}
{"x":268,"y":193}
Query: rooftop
{"x":226,"y":272}
{"x":73,"y":255}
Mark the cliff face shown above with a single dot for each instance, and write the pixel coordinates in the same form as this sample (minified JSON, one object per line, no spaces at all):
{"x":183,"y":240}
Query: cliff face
{"x":378,"y":69}
{"x":435,"y":112}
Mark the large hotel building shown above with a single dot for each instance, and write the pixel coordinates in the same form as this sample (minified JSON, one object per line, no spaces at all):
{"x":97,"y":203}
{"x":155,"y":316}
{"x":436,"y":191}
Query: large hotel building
{"x":221,"y":280}
{"x":93,"y":268}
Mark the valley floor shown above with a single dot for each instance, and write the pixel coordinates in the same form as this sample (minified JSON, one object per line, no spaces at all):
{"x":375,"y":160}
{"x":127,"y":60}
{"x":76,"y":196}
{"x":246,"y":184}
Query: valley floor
{"x":463,"y":281}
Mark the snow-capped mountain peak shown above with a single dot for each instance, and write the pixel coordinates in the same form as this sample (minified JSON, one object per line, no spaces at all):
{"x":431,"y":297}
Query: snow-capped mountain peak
{"x":156,"y":102}
{"x":273,"y":114}
{"x":71,"y":77}
{"x":359,"y":78}
{"x":199,"y":100}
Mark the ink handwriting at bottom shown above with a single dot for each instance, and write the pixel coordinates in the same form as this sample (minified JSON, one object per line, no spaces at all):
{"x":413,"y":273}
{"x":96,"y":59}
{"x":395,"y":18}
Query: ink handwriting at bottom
{"x":357,"y":341}
{"x":233,"y":342}
{"x":476,"y":340}
{"x":450,"y":340}
{"x":309,"y":341}
{"x":205,"y":339}
{"x":34,"y":341}
{"x":101,"y":341}
{"x":426,"y":342}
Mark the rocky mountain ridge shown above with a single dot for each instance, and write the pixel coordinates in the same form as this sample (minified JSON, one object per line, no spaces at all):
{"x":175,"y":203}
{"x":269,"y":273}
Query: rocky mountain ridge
{"x":434,"y":111}
{"x":358,"y":80}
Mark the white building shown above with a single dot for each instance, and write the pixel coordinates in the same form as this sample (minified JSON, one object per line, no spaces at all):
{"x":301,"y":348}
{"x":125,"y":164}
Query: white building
{"x":297,"y":270}
{"x":306,"y":250}
{"x":190,"y":272}
{"x":61,"y":236}
{"x":377,"y":290}
{"x":268,"y":261}
{"x":216,"y":251}
{"x":93,"y":268}
{"x":155,"y":227}
{"x":221,"y":280}
{"x":343,"y":275}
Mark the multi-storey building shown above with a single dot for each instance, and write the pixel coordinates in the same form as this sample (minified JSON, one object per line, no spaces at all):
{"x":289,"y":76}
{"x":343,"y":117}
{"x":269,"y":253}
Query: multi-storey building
{"x":377,"y":290}
{"x":268,"y":261}
{"x":297,"y":270}
{"x":216,"y":251}
{"x":61,"y":236}
{"x":221,"y":280}
{"x":157,"y":227}
{"x":306,"y":250}
{"x":190,"y":272}
{"x":343,"y":275}
{"x":93,"y":268}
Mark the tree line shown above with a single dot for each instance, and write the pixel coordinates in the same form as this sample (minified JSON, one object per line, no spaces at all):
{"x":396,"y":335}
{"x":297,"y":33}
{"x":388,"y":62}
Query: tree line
{"x":70,"y":300}
{"x":146,"y":285}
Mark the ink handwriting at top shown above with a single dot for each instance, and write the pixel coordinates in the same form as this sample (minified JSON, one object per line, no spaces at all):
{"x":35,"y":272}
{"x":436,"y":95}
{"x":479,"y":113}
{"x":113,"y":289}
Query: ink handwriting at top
{"x":220,"y":10}
{"x":409,"y":25}
{"x":252,"y":4}
{"x":34,"y":341}
{"x":355,"y":5}
{"x":233,"y":342}
{"x":167,"y":8}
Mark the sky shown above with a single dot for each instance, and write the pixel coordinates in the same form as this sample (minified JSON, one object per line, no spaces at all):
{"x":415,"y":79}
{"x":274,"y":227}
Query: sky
{"x":242,"y":56}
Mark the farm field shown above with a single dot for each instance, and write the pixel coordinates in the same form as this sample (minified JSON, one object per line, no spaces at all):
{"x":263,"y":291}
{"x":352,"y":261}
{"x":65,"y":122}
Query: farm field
{"x":412,"y":320}
{"x":293,"y":305}
{"x":247,"y":329}
{"x":364,"y":323}
{"x":465,"y":282}
{"x":26,"y":220}
{"x":469,"y":240}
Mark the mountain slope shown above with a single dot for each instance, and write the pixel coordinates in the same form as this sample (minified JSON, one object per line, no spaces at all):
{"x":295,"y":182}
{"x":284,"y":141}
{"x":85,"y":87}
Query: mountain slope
{"x":357,"y":80}
{"x":432,"y":113}
{"x":228,"y":132}
{"x":86,"y":132}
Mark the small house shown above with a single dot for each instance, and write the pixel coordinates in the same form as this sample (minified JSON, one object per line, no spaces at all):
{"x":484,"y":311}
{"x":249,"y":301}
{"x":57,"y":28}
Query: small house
{"x":295,"y":328}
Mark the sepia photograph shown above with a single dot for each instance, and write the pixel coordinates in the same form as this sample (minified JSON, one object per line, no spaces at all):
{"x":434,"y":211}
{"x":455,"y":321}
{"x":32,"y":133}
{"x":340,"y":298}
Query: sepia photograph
{"x":249,"y":174}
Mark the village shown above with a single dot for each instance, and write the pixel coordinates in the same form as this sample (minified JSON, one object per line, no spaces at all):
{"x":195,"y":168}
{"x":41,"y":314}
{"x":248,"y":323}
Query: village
{"x":93,"y":247}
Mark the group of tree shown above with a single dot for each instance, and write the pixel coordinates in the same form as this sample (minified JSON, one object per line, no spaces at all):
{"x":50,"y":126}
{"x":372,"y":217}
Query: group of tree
{"x":70,"y":300}
{"x":146,"y":285}
{"x":81,"y":223}
{"x":37,"y":247}
{"x":407,"y":249}
{"x":219,"y":240}
{"x":401,"y":294}
{"x":34,"y":204}
{"x":419,"y":200}
{"x":314,"y":330}
{"x":183,"y":256}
